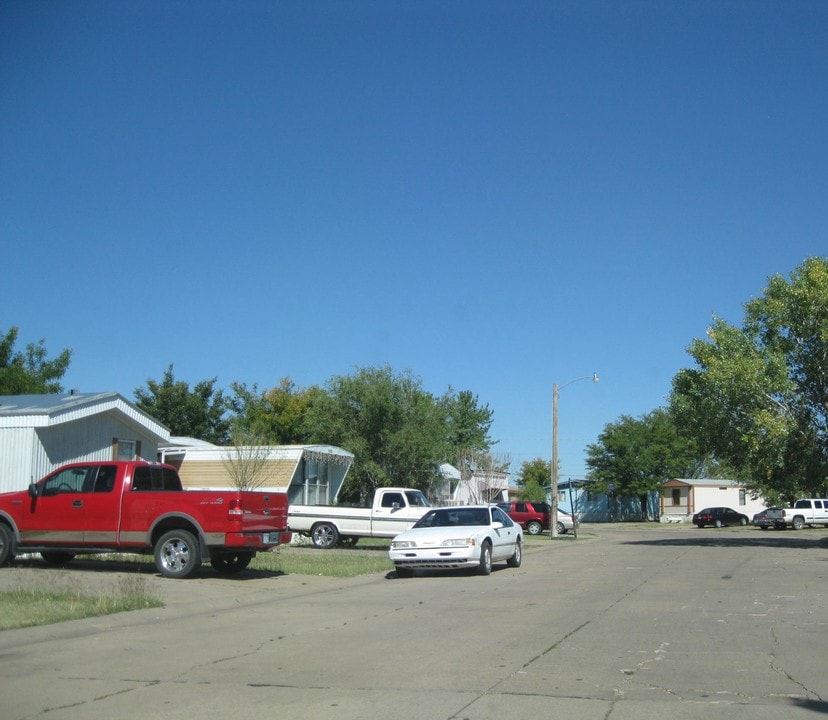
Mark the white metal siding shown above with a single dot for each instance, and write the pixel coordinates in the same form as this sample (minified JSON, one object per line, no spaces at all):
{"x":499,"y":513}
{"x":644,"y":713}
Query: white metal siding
{"x":722,"y":496}
{"x":16,"y":448}
{"x":86,"y":439}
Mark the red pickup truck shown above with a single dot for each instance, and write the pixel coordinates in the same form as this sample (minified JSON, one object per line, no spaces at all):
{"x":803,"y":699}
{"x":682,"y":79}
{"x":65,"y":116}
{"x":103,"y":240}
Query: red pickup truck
{"x":140,"y":507}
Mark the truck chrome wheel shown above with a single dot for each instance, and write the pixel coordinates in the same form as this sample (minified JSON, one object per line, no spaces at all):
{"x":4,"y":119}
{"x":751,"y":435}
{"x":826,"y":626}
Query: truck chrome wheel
{"x":325,"y":535}
{"x":177,"y":554}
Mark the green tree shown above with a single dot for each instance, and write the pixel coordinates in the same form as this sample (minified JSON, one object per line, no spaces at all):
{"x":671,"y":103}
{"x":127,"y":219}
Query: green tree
{"x":276,"y":415}
{"x":30,"y":372}
{"x":758,"y":396}
{"x":467,"y":423}
{"x":396,"y":430}
{"x":635,"y":456}
{"x":200,"y":413}
{"x":533,"y":479}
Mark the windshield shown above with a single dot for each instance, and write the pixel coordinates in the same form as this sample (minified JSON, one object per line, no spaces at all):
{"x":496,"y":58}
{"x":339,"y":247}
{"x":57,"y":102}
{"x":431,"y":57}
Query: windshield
{"x":416,"y":499}
{"x":452,"y":517}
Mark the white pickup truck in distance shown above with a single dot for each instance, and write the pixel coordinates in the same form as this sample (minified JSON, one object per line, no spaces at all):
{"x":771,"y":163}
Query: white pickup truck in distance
{"x":804,"y":512}
{"x":393,"y":511}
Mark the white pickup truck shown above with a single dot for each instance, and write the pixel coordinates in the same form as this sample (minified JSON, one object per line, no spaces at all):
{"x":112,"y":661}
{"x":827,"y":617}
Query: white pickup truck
{"x":804,"y":512}
{"x":393,"y":510}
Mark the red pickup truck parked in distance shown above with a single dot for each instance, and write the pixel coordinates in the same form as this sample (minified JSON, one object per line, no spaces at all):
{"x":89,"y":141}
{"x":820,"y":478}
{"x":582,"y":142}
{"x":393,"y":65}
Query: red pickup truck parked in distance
{"x":139,"y":507}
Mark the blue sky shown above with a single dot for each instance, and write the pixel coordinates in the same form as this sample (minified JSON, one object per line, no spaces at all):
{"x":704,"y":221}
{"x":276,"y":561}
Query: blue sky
{"x":494,"y":196}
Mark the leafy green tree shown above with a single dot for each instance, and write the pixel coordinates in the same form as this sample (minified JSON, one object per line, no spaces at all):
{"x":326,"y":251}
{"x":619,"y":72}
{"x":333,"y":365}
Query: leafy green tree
{"x":276,"y":415}
{"x":467,"y":423}
{"x":396,"y":430}
{"x":200,"y":413}
{"x":758,"y":396}
{"x":30,"y":372}
{"x":635,"y":456}
{"x":533,"y":479}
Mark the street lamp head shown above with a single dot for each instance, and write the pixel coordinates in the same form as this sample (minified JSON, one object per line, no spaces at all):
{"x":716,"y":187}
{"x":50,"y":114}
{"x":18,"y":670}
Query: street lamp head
{"x":595,"y":378}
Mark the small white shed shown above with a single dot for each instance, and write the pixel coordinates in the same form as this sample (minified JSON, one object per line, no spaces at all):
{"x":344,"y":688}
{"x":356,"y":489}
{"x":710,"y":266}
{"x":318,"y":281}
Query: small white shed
{"x":40,"y":432}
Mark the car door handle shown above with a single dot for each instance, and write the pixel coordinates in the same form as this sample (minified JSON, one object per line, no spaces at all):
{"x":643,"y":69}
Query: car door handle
{"x":77,"y":503}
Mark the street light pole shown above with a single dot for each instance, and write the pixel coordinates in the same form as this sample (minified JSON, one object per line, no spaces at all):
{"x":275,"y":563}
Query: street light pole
{"x":553,"y":506}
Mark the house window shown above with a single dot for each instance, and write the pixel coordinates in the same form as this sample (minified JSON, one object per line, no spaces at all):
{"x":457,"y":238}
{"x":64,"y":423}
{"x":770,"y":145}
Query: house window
{"x":742,"y":497}
{"x":676,"y":496}
{"x":315,"y":490}
{"x":126,"y":449}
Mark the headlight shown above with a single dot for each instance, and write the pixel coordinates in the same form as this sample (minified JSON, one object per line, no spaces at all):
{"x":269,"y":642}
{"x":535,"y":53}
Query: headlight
{"x":459,"y":542}
{"x":401,"y":544}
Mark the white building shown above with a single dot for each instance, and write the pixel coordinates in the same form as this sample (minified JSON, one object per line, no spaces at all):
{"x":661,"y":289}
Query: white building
{"x":309,"y":474}
{"x":40,"y":432}
{"x":681,"y":498}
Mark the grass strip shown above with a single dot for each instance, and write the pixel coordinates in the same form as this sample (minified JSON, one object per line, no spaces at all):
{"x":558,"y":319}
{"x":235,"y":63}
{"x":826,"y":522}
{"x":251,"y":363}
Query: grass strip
{"x":336,"y":562}
{"x":46,"y":602}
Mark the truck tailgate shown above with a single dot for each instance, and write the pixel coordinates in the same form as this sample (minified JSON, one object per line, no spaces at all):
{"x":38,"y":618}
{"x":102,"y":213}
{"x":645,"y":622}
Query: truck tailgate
{"x":263,"y":511}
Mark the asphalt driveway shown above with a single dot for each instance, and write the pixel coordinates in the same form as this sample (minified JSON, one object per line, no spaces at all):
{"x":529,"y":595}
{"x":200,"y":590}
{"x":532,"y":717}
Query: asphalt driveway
{"x":623,"y":623}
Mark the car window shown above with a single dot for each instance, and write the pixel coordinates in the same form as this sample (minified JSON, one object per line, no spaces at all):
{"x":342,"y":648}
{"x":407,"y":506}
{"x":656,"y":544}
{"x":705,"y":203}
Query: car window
{"x":474,"y":516}
{"x":105,"y":480}
{"x":390,"y":500}
{"x":417,"y":499}
{"x":147,"y":477}
{"x":499,"y":516}
{"x":69,"y":480}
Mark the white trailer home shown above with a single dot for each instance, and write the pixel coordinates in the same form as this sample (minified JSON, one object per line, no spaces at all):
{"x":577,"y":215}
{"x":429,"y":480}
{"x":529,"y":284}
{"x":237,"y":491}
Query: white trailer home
{"x":40,"y":432}
{"x":309,"y":474}
{"x":681,"y":498}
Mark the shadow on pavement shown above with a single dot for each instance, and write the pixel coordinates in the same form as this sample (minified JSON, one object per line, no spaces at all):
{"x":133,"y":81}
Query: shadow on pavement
{"x":712,"y":538}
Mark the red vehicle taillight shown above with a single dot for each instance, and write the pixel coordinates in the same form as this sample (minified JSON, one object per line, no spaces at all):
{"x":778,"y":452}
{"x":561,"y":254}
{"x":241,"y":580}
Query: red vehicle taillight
{"x":234,"y":510}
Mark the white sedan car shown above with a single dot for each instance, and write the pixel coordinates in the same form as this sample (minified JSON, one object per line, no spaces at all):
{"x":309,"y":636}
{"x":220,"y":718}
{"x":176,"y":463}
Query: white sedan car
{"x":471,"y":536}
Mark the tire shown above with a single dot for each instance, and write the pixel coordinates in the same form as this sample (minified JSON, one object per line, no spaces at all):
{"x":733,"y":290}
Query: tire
{"x":742,"y":521}
{"x":561,"y":528}
{"x":404,"y":572}
{"x":485,"y":566}
{"x":517,"y":558}
{"x":230,"y":563}
{"x":56,"y":557}
{"x":177,"y":554}
{"x":763,"y":527}
{"x":325,"y":535}
{"x":6,"y":541}
{"x":717,"y":523}
{"x":798,"y":523}
{"x":534,"y":527}
{"x":699,"y":525}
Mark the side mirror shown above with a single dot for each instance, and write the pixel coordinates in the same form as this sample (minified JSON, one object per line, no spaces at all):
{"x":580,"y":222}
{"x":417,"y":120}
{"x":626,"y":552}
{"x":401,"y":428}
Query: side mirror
{"x":497,"y":524}
{"x":34,"y":490}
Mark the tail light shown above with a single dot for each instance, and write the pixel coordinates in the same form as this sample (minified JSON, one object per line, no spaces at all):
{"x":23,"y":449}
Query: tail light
{"x":234,"y":509}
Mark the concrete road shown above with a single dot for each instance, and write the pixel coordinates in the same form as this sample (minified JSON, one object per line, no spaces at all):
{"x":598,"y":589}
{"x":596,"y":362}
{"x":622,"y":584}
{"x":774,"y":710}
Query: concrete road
{"x":625,"y":623}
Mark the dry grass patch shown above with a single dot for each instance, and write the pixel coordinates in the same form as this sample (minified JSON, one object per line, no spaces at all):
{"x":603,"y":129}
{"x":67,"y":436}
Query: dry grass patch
{"x":54,"y":597}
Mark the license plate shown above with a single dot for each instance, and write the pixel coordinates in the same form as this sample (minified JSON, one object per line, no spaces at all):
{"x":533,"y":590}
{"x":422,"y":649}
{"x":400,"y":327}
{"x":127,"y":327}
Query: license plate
{"x":270,"y":538}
